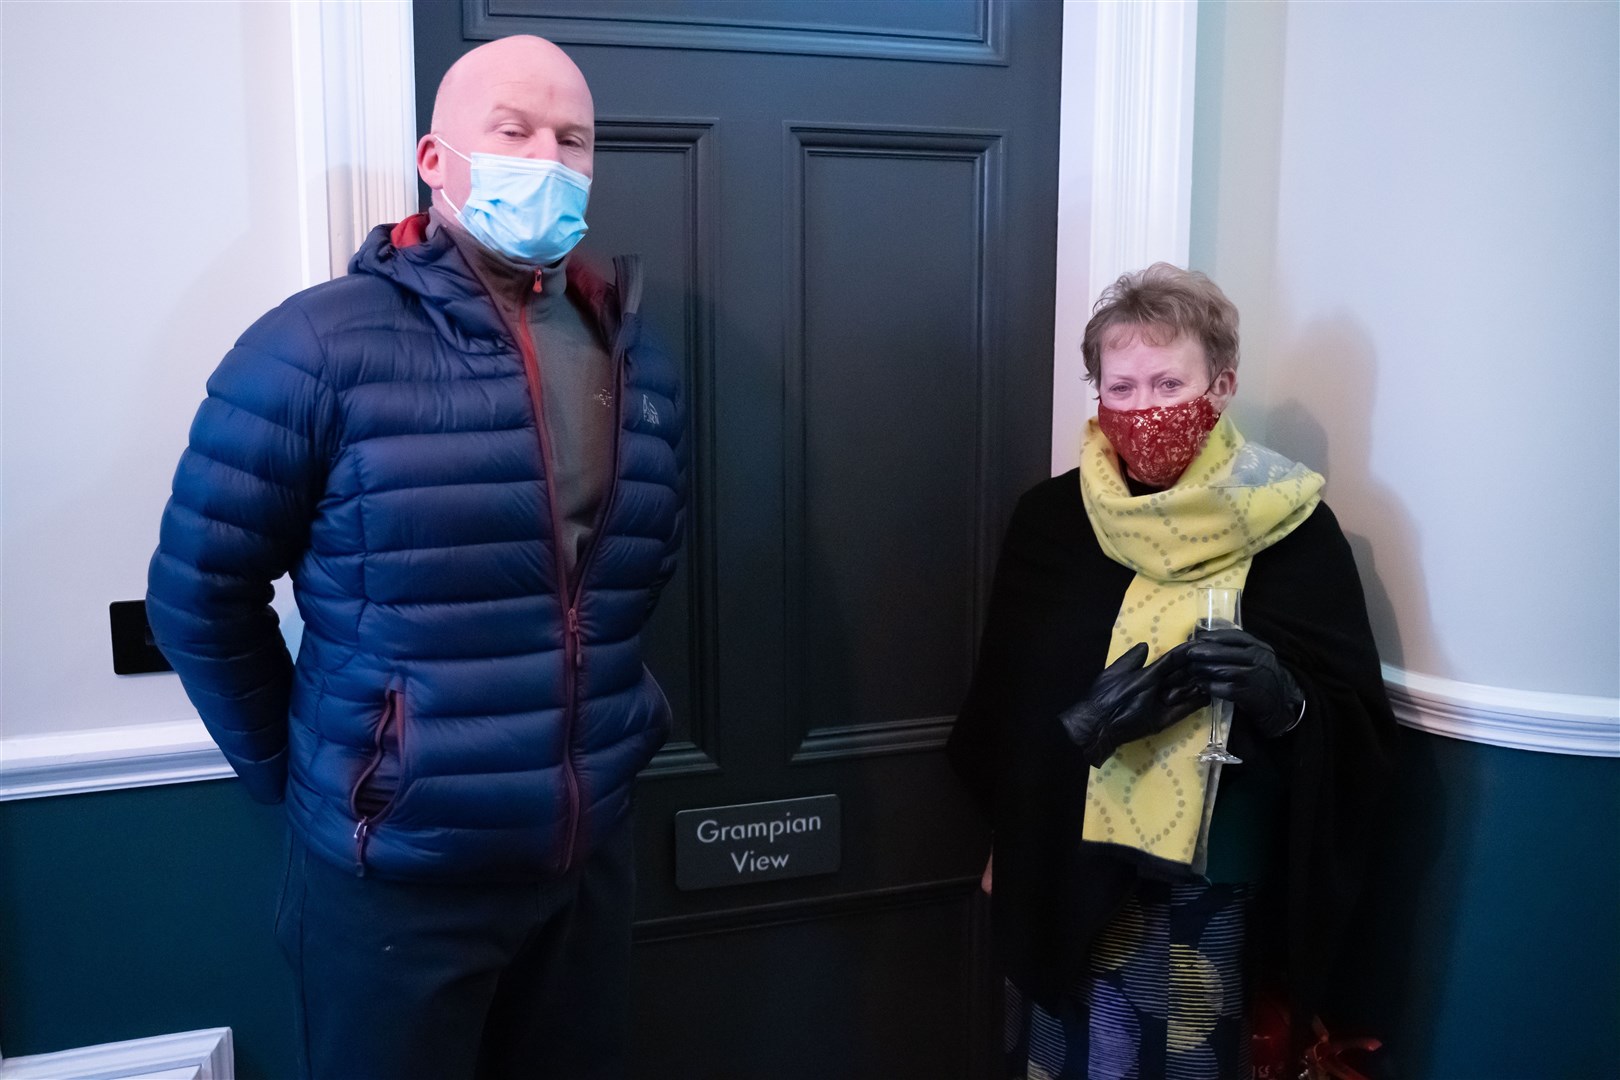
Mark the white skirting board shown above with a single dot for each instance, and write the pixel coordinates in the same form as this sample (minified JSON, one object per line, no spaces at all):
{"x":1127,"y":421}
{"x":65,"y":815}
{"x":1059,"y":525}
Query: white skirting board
{"x":189,"y":1055}
{"x":148,"y":755}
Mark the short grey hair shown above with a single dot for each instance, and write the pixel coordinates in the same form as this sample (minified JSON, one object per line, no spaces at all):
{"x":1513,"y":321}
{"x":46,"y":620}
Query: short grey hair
{"x":1164,"y":302}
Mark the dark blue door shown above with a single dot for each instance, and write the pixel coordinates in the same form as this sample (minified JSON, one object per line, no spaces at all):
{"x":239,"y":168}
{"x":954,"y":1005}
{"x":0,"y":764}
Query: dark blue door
{"x":848,"y":210}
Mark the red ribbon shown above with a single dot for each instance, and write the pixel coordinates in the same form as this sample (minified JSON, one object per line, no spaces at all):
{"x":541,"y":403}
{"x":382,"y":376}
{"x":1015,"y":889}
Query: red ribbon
{"x":1325,"y":1057}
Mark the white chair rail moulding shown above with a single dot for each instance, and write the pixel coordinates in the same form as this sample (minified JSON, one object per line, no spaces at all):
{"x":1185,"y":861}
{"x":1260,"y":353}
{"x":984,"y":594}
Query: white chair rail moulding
{"x":1522,"y":719}
{"x":181,"y":752}
{"x":354,"y":87}
{"x":189,"y":1055}
{"x":1125,"y":172}
{"x":107,"y":759}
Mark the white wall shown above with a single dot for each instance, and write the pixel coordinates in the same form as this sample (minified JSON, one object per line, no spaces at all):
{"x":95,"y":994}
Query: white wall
{"x":1416,"y":207}
{"x":149,"y":216}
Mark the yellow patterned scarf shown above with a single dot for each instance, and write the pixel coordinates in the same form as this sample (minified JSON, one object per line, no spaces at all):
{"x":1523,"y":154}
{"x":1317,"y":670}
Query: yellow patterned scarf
{"x":1235,"y":499}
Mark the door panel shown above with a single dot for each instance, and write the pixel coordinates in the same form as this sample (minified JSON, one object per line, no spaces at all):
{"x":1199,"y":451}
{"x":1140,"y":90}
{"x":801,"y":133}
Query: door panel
{"x":847,"y":209}
{"x":885,"y":434}
{"x":653,"y":194}
{"x":807,"y":1017}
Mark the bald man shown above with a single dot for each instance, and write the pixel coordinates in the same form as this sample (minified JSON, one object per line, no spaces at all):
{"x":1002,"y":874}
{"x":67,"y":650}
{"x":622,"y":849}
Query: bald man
{"x":468,"y":454}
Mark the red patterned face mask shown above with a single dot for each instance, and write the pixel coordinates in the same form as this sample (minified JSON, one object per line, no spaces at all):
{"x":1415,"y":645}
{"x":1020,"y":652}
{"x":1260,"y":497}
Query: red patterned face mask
{"x":1159,"y":443}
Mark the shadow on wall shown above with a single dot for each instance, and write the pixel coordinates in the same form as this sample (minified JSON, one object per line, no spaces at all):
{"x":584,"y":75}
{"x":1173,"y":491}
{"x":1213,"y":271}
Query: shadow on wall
{"x":1402,"y":935}
{"x":1331,"y":364}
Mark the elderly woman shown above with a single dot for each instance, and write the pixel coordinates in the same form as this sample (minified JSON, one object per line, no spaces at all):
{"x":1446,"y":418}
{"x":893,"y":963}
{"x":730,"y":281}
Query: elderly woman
{"x":1140,"y":895}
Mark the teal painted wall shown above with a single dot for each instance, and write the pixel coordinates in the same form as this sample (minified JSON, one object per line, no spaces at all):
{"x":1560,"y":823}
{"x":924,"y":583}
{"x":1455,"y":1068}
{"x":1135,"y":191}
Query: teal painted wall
{"x":134,"y":913}
{"x":1491,"y":947}
{"x":1491,"y":950}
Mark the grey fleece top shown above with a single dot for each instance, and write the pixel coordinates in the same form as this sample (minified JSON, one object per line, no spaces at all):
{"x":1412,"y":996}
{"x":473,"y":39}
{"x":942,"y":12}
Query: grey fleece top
{"x":578,"y":388}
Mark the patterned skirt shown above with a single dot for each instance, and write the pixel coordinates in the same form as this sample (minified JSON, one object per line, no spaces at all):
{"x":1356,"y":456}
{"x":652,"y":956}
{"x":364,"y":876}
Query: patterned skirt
{"x":1163,"y":996}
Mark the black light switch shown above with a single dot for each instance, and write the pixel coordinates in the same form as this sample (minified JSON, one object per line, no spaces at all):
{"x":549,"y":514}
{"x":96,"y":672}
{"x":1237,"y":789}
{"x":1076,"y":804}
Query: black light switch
{"x":134,"y":651}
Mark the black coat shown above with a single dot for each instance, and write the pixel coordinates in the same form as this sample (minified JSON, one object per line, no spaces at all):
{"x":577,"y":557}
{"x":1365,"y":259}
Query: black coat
{"x":1051,"y":616}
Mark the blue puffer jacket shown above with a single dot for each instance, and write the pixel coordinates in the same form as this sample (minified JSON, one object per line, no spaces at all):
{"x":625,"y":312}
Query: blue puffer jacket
{"x":457,"y":712}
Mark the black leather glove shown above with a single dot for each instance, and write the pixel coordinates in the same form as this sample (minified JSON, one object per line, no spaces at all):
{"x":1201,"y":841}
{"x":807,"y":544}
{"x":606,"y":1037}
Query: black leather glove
{"x":1238,"y":667}
{"x":1129,"y":701}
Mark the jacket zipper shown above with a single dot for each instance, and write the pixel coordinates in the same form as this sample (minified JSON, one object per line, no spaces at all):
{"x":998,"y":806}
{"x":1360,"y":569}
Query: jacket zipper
{"x":573,"y":654}
{"x":392,"y":708}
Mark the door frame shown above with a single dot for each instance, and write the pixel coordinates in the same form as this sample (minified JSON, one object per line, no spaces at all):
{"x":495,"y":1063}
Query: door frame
{"x":354,"y":108}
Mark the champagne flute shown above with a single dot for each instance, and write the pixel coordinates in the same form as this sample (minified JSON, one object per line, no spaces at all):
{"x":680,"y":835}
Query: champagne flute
{"x":1218,"y":609}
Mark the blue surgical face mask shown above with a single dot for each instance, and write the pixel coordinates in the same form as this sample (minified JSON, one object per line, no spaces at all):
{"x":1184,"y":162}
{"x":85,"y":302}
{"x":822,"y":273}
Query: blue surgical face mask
{"x":526,"y":209}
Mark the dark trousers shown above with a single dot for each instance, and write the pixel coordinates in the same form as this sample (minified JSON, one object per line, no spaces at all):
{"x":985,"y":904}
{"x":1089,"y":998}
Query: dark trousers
{"x":445,"y":981}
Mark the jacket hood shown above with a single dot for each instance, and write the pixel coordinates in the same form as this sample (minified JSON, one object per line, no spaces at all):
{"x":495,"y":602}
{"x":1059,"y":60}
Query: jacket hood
{"x":429,"y":265}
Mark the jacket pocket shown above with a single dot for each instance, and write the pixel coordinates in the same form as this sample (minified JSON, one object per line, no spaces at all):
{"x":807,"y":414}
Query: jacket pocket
{"x":377,"y":788}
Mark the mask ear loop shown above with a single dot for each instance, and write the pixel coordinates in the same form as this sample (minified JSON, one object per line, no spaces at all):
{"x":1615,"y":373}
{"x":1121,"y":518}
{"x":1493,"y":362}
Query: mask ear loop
{"x":446,"y":144}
